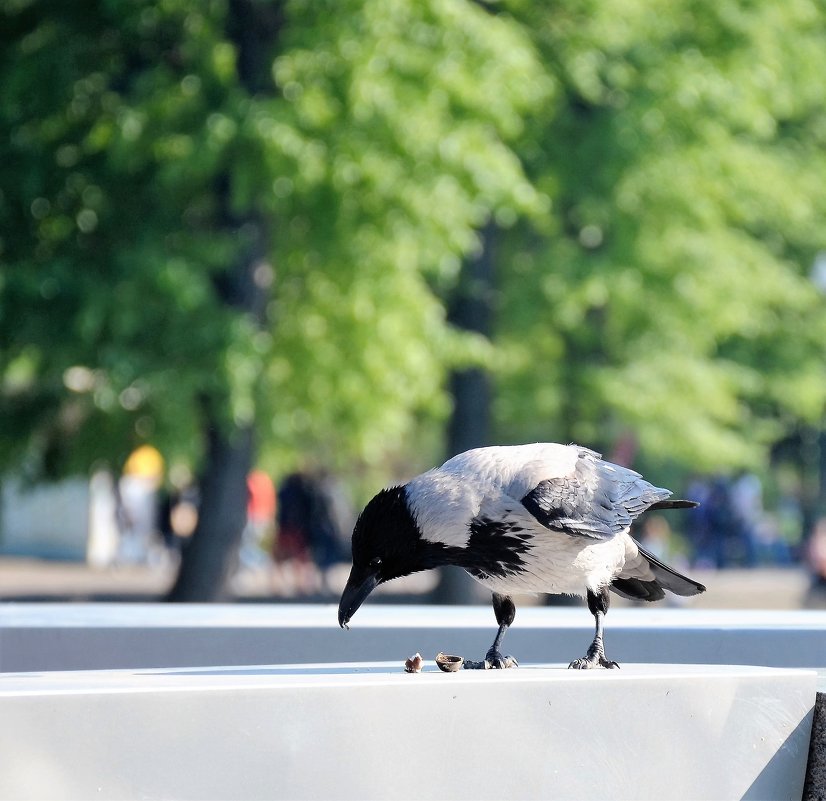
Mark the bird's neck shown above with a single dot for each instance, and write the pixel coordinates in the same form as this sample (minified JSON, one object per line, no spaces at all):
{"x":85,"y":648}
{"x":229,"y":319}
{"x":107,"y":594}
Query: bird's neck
{"x":437,"y":554}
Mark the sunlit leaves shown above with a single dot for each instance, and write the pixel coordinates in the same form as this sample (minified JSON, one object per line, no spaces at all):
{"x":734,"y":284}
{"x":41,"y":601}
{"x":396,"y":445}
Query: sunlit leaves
{"x":379,"y":138}
{"x":686,"y":161}
{"x":660,"y":166}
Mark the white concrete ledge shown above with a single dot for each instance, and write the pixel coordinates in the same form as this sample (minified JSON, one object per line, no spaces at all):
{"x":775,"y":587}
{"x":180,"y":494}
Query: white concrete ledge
{"x":89,"y":636}
{"x":373,"y":732}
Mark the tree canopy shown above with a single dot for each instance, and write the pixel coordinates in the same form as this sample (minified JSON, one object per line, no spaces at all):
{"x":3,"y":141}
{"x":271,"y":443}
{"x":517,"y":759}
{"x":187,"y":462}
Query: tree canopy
{"x":655,"y":172}
{"x":371,"y":139}
{"x":669,"y":292}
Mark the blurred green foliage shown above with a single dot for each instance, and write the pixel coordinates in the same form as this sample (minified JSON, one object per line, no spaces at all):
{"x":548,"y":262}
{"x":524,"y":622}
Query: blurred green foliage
{"x":375,"y":149}
{"x":669,"y":292}
{"x":658,"y":171}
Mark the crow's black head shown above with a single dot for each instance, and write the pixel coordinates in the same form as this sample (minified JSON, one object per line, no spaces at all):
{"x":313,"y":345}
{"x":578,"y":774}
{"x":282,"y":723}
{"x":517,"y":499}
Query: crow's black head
{"x":386,"y":545}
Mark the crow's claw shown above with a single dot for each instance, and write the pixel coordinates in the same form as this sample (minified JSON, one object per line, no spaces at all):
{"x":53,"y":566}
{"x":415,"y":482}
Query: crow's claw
{"x":495,"y":660}
{"x":588,"y":662}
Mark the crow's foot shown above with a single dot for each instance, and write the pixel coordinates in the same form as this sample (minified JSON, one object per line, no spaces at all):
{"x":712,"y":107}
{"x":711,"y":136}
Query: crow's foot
{"x":592,"y":661}
{"x":495,"y":660}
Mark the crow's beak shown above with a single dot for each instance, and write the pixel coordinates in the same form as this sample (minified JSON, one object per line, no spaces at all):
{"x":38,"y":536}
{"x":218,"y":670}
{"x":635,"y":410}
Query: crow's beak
{"x":360,"y":584}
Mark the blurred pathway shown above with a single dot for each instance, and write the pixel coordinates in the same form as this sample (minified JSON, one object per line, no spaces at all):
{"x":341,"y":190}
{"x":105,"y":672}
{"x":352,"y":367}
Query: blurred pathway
{"x":32,"y":580}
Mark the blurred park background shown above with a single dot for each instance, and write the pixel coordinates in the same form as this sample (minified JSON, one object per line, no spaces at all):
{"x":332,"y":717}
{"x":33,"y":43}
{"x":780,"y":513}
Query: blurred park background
{"x":259,"y":258}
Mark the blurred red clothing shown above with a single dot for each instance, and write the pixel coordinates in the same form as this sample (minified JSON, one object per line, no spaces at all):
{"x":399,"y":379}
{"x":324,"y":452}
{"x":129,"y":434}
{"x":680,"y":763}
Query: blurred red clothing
{"x":261,"y":503}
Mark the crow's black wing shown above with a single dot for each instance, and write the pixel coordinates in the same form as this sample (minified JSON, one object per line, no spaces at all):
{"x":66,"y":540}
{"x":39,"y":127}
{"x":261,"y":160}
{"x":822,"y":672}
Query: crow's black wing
{"x":597,"y":499}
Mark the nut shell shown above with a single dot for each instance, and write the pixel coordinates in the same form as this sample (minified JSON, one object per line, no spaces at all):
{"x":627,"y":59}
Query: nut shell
{"x":449,"y":663}
{"x":414,"y":664}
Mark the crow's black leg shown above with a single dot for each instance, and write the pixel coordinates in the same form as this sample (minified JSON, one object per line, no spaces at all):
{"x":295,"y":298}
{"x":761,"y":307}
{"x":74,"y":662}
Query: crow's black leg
{"x":598,"y":603}
{"x":505,"y":612}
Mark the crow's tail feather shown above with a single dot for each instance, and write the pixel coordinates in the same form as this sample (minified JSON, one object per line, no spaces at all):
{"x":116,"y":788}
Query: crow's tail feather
{"x":665,"y":578}
{"x":673,"y":504}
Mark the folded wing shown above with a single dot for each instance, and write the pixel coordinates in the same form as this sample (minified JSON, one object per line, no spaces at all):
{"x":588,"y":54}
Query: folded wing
{"x":596,"y":499}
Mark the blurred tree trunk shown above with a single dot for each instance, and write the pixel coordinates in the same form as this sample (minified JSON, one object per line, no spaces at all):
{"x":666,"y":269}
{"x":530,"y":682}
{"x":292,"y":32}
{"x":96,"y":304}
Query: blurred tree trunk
{"x":472,"y":309}
{"x":207,"y":561}
{"x":210,"y":557}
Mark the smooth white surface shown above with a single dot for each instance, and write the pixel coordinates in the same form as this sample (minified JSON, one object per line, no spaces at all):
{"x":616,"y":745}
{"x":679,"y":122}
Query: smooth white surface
{"x":88,"y":636}
{"x":153,"y":615}
{"x":372,"y":731}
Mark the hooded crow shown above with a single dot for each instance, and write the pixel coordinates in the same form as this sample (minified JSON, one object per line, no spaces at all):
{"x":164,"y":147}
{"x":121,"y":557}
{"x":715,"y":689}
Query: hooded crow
{"x":520,"y":519}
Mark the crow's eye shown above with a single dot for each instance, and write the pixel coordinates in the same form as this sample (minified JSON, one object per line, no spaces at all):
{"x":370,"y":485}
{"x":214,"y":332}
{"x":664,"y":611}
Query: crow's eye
{"x":375,"y":563}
